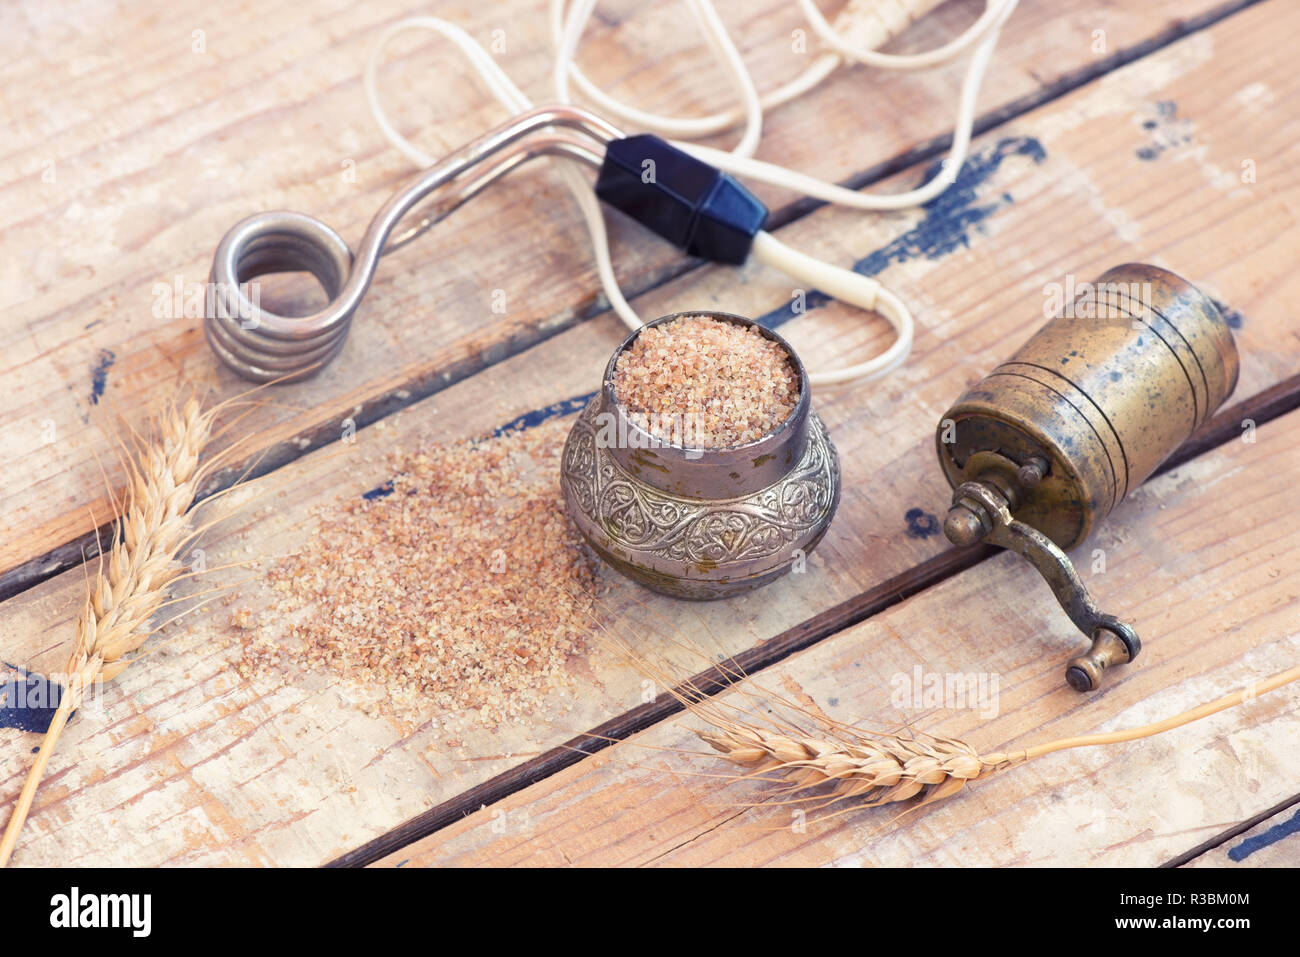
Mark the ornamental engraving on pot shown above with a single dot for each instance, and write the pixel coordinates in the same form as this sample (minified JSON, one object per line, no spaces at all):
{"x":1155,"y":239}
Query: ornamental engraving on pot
{"x":709,"y":524}
{"x":636,"y":515}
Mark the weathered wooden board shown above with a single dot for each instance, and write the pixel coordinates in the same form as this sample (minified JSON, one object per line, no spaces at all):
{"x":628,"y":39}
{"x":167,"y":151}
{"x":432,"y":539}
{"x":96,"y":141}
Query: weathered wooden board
{"x":134,"y":140}
{"x":1199,"y":556}
{"x":209,"y":768}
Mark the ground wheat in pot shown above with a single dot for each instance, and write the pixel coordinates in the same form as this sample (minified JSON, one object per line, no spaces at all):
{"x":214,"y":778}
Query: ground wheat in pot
{"x":706,"y":383}
{"x":464,"y":586}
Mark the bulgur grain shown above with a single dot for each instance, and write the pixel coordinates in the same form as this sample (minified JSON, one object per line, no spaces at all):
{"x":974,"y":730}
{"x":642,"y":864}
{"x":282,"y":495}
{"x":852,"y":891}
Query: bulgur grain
{"x":465,"y":587}
{"x":715,"y":382}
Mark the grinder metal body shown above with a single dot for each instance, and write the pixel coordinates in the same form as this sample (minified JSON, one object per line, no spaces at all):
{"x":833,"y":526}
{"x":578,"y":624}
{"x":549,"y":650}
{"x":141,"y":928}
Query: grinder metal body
{"x":1041,"y":449}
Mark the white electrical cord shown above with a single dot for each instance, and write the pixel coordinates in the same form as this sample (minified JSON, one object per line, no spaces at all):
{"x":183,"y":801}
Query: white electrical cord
{"x":568,"y":24}
{"x":739,"y":162}
{"x":513,"y":99}
{"x":847,"y":286}
{"x":689,"y":127}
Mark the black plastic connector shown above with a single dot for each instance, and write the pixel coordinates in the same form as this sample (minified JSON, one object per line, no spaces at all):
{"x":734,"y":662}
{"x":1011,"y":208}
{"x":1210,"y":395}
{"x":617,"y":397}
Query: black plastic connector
{"x":686,"y":201}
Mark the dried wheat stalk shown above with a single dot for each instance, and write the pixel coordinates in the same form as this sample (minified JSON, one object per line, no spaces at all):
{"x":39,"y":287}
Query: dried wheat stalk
{"x":870,"y":770}
{"x":162,"y":481}
{"x":817,"y":760}
{"x":844,"y":764}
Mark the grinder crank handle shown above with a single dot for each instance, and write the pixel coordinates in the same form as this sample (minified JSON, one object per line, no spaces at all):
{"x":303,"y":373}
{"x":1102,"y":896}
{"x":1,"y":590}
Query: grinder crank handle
{"x":980,"y":513}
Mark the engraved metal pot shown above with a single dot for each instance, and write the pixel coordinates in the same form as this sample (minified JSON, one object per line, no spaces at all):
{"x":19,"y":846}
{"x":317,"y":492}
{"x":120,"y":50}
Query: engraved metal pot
{"x":700,"y":523}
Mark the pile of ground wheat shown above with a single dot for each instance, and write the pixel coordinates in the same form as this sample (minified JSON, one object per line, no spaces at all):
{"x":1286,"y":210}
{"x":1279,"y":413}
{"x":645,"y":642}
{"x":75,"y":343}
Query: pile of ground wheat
{"x":732,"y":383}
{"x":461,"y":585}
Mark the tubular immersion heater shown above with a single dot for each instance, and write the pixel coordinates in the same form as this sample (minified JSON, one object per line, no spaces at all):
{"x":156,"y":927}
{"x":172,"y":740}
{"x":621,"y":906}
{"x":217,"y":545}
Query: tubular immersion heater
{"x":1041,"y":449}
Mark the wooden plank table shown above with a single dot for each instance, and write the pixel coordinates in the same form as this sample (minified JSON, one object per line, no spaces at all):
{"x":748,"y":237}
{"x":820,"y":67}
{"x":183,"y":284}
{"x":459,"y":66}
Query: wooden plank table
{"x":1086,"y":158}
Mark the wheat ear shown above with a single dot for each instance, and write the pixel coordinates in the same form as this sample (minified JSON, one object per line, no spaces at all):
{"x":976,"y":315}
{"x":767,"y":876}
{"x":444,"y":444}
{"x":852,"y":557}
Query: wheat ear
{"x":162,"y":481}
{"x":818,"y":761}
{"x":845,"y":764}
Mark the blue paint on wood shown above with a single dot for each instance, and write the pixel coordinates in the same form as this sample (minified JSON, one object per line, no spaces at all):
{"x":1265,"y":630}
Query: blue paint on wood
{"x":99,"y":375}
{"x":536,"y":417}
{"x":379,"y":491}
{"x":1232,"y":317}
{"x":28,"y":702}
{"x":949,"y":221}
{"x":1167,"y":131}
{"x":1260,"y":841}
{"x":921,"y":524}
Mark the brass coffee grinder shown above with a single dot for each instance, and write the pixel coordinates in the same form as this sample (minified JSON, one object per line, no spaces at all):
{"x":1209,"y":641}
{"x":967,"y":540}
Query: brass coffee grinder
{"x":1041,"y":449}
